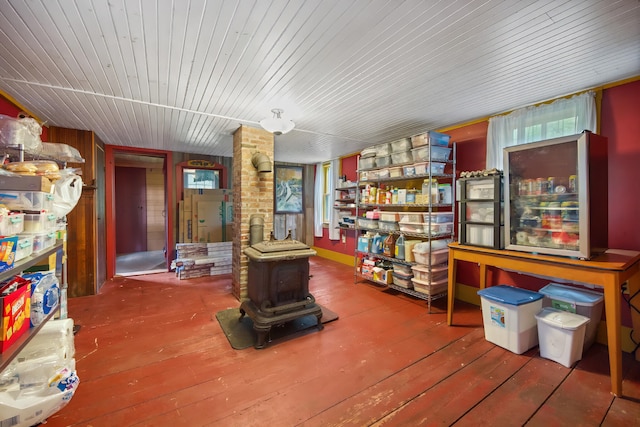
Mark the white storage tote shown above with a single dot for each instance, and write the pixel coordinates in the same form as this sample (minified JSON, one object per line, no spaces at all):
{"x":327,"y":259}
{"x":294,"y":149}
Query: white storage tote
{"x":561,"y":335}
{"x":508,"y":314}
{"x":579,"y":301}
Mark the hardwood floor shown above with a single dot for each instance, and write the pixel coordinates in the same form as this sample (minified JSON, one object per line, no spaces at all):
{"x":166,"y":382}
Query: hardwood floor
{"x":150,"y":352}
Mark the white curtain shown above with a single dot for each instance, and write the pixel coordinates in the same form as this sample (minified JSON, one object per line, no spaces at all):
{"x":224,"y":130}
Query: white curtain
{"x":334,"y":231}
{"x":562,"y":117}
{"x":318,"y":200}
{"x":318,"y":194}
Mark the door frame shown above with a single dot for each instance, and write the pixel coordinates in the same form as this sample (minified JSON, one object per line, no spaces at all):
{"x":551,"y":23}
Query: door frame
{"x":110,"y":205}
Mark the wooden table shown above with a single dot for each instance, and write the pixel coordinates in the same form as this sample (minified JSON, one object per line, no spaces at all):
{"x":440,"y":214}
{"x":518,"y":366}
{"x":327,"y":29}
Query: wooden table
{"x":609,"y":270}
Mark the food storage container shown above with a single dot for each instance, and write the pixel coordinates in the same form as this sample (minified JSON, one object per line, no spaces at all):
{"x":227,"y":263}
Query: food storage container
{"x":438,"y":154}
{"x":383,"y":161}
{"x":431,"y":137}
{"x":401,"y":157}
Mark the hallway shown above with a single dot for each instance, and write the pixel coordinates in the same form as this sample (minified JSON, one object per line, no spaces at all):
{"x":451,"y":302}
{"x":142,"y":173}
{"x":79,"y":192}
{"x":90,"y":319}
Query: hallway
{"x":151,"y":353}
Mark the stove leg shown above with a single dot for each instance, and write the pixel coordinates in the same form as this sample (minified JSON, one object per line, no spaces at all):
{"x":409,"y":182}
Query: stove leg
{"x":242,"y":313}
{"x":320,"y":325}
{"x":262,"y":336}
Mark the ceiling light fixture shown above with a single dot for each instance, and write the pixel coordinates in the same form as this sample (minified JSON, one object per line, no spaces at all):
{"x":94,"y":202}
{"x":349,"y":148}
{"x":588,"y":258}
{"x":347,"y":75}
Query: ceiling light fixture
{"x":277,"y":125}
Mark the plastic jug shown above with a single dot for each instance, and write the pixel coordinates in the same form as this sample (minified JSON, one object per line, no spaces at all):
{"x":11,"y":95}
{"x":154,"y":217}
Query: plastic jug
{"x":399,"y":249}
{"x":388,"y":247}
{"x":376,"y":244}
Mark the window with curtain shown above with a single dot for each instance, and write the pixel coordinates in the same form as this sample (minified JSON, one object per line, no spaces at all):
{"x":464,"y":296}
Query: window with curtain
{"x":326,"y":187}
{"x":568,"y":116}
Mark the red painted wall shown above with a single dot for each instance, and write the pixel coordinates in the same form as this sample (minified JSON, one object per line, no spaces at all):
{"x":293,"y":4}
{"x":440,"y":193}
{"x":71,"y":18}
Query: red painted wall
{"x":620,"y":123}
{"x":8,"y":109}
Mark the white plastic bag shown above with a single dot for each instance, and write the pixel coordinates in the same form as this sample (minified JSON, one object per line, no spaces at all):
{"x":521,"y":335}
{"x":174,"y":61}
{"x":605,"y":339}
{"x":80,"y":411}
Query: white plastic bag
{"x":66,"y":193}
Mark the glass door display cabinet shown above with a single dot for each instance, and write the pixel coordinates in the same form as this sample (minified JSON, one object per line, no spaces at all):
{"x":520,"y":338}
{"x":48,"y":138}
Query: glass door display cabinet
{"x":556,"y":196}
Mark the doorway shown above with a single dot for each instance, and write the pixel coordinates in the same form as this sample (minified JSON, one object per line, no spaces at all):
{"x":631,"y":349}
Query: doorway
{"x":139,"y":231}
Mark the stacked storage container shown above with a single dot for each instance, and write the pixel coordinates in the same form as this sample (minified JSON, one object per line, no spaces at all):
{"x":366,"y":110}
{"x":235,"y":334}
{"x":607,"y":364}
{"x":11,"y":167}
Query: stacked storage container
{"x":430,"y":273}
{"x":38,"y":230}
{"x":42,"y":378}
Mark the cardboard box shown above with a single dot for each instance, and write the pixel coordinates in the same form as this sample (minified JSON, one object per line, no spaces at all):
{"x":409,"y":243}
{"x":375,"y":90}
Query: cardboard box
{"x":25,"y":183}
{"x":16,"y":312}
{"x":8,"y":247}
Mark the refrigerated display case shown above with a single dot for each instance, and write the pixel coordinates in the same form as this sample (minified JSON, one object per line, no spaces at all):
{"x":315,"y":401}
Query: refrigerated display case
{"x":556,"y":196}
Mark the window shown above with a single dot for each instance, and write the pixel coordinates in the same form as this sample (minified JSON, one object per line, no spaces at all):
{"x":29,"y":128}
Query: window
{"x":201,"y":178}
{"x":327,"y":202}
{"x":567,"y":116}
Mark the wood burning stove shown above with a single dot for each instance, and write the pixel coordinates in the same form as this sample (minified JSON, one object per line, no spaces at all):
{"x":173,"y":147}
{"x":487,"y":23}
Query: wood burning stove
{"x":278,"y":285}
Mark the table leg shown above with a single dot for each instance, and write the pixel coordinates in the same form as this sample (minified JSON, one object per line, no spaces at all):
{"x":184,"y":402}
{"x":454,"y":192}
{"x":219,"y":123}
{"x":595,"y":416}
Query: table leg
{"x":612,"y":313}
{"x":483,"y":276}
{"x":451,"y":287}
{"x":633,"y":285}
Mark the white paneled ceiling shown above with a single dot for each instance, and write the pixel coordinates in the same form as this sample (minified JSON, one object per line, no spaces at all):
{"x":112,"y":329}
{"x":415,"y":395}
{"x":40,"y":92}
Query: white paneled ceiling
{"x":182,"y":75}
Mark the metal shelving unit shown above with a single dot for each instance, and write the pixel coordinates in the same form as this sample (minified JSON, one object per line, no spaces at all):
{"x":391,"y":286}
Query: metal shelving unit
{"x":16,"y":347}
{"x":430,"y":207}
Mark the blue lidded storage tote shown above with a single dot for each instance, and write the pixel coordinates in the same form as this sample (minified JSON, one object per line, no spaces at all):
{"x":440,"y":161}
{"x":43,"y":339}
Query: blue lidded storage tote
{"x":508,"y":314}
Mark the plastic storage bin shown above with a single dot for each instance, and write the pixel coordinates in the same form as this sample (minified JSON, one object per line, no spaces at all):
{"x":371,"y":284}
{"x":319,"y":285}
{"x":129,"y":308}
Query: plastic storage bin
{"x":401,"y":157}
{"x":431,"y":137}
{"x":11,"y":224}
{"x":409,"y":170}
{"x":382,"y":149}
{"x":403,"y":269}
{"x":438,"y":154}
{"x":436,"y":228}
{"x":410,"y":217}
{"x":437,"y":272}
{"x":42,"y":241}
{"x":395,"y":172}
{"x":367,"y":162}
{"x":483,"y":189}
{"x":561,"y":335}
{"x":37,"y":223}
{"x":27,"y":200}
{"x":411,"y":227}
{"x":422,"y":256}
{"x":403,"y":280}
{"x":367,"y":223}
{"x":388,"y":225}
{"x":437,"y":217}
{"x":25,"y":246}
{"x":403,"y":144}
{"x":508,"y":314}
{"x":383,"y":161}
{"x":389,"y":216}
{"x":580,"y":301}
{"x":430,"y":288}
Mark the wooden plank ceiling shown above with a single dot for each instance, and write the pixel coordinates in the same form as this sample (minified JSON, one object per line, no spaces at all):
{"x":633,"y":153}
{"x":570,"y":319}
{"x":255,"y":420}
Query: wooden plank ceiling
{"x":182,"y":75}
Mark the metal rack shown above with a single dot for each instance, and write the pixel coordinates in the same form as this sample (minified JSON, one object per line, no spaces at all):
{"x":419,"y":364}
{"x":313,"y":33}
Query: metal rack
{"x":16,"y":347}
{"x":423,"y":208}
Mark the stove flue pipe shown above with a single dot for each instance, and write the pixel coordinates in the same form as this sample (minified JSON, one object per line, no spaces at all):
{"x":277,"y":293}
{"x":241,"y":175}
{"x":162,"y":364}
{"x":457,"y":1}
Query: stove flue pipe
{"x":261,"y":162}
{"x":256,"y":229}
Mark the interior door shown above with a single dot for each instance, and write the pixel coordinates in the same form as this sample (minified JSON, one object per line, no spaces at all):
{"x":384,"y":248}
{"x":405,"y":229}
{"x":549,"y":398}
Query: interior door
{"x":131,"y":210}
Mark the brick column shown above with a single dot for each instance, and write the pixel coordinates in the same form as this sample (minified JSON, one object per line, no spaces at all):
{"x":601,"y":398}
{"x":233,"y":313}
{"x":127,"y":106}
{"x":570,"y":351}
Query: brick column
{"x":252,"y":194}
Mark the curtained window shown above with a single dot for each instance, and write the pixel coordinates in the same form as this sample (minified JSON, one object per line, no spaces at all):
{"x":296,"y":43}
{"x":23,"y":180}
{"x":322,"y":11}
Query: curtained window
{"x":324,"y":192}
{"x":569,"y":116}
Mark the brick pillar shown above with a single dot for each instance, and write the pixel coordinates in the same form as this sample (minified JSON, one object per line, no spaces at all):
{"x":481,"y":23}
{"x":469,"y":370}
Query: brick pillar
{"x":252,"y":194}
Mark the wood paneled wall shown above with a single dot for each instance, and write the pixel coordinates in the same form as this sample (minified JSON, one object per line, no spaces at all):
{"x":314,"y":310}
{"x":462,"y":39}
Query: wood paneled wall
{"x":82,"y":230}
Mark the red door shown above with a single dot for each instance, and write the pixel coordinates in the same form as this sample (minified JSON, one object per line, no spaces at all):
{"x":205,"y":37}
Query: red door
{"x":131,"y":210}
